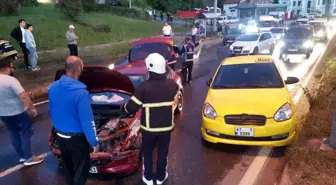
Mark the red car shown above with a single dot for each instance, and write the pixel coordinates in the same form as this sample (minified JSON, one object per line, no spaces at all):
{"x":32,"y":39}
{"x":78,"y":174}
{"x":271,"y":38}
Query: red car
{"x":140,"y":49}
{"x":118,"y":132}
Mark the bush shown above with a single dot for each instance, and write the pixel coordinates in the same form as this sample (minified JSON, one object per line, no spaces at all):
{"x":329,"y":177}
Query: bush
{"x":9,"y":7}
{"x":30,"y":3}
{"x":102,"y":28}
{"x":89,"y":5}
{"x":121,"y":11}
{"x":71,"y":8}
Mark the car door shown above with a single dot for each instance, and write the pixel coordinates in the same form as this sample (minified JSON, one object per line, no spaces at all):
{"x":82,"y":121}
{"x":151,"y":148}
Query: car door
{"x":268,"y":41}
{"x":262,"y":42}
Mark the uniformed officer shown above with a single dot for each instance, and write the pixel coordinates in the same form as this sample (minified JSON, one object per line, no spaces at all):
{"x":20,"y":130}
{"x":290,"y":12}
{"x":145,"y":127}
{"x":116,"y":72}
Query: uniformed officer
{"x":157,"y":99}
{"x":187,"y":53}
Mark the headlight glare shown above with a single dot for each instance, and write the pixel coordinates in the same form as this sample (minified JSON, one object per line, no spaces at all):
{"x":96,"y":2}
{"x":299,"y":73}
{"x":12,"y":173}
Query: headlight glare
{"x":308,"y":44}
{"x":231,"y":47}
{"x":209,"y":111}
{"x":281,"y":44}
{"x":284,"y":113}
{"x":111,"y":66}
{"x":320,"y":34}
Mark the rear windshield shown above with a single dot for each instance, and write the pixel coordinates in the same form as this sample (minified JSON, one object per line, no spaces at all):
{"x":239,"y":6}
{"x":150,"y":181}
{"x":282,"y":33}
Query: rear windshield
{"x":141,"y":51}
{"x":248,"y":76}
{"x":277,"y":30}
{"x":249,"y":37}
{"x":298,"y":33}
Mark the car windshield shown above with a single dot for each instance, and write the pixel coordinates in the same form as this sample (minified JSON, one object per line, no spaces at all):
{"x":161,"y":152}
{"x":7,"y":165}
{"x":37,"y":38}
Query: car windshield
{"x":249,"y":37}
{"x":297,"y":33}
{"x":234,"y":31}
{"x":248,"y":76}
{"x":136,"y":79}
{"x":141,"y":51}
{"x":266,"y":24}
{"x":277,"y":30}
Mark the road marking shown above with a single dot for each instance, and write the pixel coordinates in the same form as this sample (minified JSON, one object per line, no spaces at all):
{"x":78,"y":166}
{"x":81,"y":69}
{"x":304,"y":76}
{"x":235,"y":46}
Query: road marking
{"x":40,"y":103}
{"x":19,"y":166}
{"x":259,"y":161}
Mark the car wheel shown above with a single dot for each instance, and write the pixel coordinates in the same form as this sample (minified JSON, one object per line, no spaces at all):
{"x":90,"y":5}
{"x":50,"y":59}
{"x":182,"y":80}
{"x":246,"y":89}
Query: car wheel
{"x":255,"y":51}
{"x":179,"y":107}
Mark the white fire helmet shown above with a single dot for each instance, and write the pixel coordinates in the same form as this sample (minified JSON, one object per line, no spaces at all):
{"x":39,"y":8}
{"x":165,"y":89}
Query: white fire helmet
{"x":156,"y":63}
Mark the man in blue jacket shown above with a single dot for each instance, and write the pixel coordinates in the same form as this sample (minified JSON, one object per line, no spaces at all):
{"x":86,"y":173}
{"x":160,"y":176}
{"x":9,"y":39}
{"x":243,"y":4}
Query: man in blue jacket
{"x":71,"y":114}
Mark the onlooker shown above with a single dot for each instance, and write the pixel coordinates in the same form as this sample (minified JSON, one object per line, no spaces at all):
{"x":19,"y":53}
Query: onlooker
{"x":193,"y":34}
{"x":219,"y":30}
{"x":72,"y":41}
{"x":72,"y":117}
{"x":154,"y":14}
{"x":15,"y":111}
{"x":31,"y":46}
{"x":18,"y":34}
{"x":167,"y":30}
{"x":161,"y":15}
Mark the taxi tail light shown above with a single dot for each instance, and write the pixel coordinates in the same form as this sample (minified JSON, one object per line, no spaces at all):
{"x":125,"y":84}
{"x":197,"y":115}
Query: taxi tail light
{"x":209,"y":111}
{"x":284,"y":113}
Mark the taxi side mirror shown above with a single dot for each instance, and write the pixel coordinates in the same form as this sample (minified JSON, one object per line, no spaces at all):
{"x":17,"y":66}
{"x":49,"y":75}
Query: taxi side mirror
{"x":209,"y":82}
{"x":291,"y":80}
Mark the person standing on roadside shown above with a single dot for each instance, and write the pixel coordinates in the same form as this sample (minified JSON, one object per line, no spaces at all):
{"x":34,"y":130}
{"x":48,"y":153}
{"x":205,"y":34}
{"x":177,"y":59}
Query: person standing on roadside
{"x":18,"y":34}
{"x":157,"y":97}
{"x":161,"y":16}
{"x":31,"y":46}
{"x":219,"y":30}
{"x":72,"y":117}
{"x":72,"y":41}
{"x":16,"y":110}
{"x":167,"y":30}
{"x":193,"y":34}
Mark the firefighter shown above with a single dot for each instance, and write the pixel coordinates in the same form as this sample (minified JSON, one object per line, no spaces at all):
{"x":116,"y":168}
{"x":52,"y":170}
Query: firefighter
{"x":157,"y":97}
{"x":187,"y":53}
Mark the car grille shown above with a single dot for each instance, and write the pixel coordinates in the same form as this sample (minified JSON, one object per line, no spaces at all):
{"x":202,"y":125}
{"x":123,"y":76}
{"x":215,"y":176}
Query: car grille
{"x":245,"y":119}
{"x":237,"y":49}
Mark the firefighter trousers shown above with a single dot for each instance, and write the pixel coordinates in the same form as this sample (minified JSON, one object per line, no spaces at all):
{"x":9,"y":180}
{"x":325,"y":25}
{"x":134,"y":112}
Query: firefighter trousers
{"x":149,"y":141}
{"x":187,"y":71}
{"x":75,"y":158}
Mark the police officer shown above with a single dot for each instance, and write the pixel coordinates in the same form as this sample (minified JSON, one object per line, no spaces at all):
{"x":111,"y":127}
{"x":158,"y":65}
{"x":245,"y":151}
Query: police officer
{"x":157,"y":98}
{"x":187,"y":53}
{"x":72,"y":117}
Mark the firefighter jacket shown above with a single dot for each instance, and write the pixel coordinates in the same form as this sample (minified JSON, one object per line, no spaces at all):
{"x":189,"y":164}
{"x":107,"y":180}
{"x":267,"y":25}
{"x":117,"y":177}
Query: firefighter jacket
{"x":157,"y":99}
{"x":188,"y":52}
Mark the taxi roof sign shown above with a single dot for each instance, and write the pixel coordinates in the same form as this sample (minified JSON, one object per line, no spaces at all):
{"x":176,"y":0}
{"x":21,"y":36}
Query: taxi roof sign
{"x":248,"y":59}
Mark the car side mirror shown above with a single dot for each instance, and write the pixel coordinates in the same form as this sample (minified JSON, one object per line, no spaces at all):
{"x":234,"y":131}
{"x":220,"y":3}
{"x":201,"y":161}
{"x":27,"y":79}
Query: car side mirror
{"x":209,"y":82}
{"x":291,"y":80}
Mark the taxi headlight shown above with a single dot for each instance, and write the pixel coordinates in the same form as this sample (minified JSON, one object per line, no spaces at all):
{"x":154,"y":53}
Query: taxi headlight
{"x":111,"y":66}
{"x":281,"y":44}
{"x":209,"y":111}
{"x":308,"y":44}
{"x":284,"y":113}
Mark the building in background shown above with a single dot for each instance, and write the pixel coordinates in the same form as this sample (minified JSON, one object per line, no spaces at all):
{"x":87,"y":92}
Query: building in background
{"x":304,"y":7}
{"x":230,"y":8}
{"x":256,"y":8}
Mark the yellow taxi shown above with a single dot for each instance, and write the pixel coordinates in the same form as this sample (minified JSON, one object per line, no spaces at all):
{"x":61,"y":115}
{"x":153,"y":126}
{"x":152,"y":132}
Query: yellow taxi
{"x":248,"y":103}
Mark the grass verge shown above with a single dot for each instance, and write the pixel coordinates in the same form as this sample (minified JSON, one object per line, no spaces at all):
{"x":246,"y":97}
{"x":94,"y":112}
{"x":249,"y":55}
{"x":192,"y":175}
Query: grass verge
{"x":307,"y":164}
{"x":50,"y":26}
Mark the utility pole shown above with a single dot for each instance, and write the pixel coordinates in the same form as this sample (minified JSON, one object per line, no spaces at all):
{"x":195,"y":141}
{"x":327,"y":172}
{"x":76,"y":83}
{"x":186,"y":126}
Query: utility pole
{"x":130,"y":3}
{"x":215,"y":11}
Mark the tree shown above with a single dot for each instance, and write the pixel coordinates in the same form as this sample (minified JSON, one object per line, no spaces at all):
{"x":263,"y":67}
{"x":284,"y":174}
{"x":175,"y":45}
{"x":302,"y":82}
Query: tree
{"x":71,"y":8}
{"x":275,"y":1}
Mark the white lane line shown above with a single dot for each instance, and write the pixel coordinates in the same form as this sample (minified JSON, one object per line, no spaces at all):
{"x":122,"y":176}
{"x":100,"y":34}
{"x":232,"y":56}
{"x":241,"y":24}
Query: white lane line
{"x":19,"y":166}
{"x":40,"y":103}
{"x":259,"y":161}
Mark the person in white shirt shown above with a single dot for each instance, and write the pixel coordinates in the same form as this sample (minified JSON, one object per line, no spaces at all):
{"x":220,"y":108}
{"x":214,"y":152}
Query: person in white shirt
{"x":167,"y":30}
{"x":31,"y":46}
{"x":193,"y":34}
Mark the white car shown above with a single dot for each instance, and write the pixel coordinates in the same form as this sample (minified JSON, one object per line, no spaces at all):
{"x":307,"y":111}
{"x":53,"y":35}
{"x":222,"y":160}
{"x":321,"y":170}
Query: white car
{"x":253,"y":43}
{"x":303,"y":21}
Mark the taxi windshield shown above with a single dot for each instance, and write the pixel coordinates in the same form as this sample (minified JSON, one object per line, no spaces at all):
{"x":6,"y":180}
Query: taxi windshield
{"x":141,"y":51}
{"x":248,"y":76}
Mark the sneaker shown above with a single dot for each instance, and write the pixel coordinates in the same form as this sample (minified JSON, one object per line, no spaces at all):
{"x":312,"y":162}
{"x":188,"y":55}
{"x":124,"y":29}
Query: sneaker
{"x":36,"y":69}
{"x":161,"y":182}
{"x":33,"y":160}
{"x":147,"y":182}
{"x":22,"y":160}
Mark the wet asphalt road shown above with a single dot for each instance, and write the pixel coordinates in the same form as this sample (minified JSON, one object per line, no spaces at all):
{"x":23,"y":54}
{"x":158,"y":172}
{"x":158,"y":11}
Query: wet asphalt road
{"x":190,"y":163}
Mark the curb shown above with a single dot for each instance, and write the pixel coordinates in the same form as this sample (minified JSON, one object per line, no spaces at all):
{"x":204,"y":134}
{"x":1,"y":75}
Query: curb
{"x":285,"y":178}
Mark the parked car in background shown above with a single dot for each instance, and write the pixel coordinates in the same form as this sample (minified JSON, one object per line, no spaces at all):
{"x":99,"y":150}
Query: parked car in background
{"x":320,"y":30}
{"x":266,"y":23}
{"x":253,"y":43}
{"x":303,"y":21}
{"x":231,"y":36}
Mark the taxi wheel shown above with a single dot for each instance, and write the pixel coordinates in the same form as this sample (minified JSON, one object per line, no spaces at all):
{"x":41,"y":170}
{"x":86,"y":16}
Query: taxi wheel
{"x":179,"y":107}
{"x":256,"y":51}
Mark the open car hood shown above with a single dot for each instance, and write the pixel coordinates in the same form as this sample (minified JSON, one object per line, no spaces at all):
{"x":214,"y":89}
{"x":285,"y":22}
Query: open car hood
{"x":101,"y":79}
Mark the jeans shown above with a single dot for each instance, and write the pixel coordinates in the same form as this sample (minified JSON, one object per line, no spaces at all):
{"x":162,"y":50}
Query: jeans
{"x":33,"y":56}
{"x":20,"y":132}
{"x":193,"y":38}
{"x":187,"y":71}
{"x":25,"y":54}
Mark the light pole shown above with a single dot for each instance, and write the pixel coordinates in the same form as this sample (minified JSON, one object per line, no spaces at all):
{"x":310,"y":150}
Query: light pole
{"x":130,"y":3}
{"x":215,"y":11}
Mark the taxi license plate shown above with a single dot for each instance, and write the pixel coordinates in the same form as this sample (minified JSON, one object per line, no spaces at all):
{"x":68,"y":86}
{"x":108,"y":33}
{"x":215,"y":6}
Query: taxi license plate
{"x":93,"y":169}
{"x":246,"y":132}
{"x":292,"y":49}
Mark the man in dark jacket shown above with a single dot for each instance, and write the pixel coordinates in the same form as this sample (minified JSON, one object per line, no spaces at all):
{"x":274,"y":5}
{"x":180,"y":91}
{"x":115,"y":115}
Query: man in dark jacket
{"x":187,"y":53}
{"x":72,"y":117}
{"x":157,"y":99}
{"x":18,"y":35}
